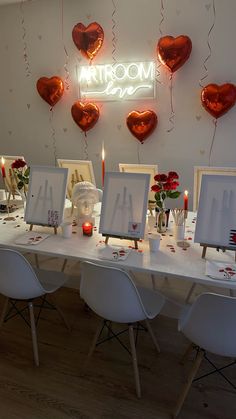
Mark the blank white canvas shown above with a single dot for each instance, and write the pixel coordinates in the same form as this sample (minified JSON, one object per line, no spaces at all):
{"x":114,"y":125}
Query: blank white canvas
{"x":216,"y":216}
{"x":124,"y":204}
{"x":46,"y":195}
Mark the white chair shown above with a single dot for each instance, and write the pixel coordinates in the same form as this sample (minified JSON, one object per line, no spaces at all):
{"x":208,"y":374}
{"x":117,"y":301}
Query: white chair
{"x":112,"y":294}
{"x":210,"y":325}
{"x":19,"y":281}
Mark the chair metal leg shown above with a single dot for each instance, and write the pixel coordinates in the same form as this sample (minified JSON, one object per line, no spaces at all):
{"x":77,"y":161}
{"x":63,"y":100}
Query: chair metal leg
{"x":36,"y":260}
{"x":153,"y":282}
{"x":189,"y":295}
{"x":64,"y":265}
{"x":135,"y":362}
{"x":149,"y":328}
{"x":60,"y":312}
{"x":193,"y":372}
{"x":33,"y":333}
{"x":4,"y":310}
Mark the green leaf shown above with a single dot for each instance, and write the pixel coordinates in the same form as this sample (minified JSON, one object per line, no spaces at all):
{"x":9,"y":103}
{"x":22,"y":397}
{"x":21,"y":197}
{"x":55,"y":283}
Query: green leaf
{"x":157,"y":196}
{"x":174,"y":195}
{"x":27,"y":172}
{"x":159,"y":203}
{"x":20,"y":176}
{"x":20,"y":185}
{"x":27,"y":181}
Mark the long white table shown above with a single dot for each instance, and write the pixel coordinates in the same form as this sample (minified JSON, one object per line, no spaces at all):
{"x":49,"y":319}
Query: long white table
{"x":170,"y":260}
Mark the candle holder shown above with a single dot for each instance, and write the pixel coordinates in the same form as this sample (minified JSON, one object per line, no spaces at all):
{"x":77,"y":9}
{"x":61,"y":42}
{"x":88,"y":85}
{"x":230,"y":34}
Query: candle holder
{"x":8,"y":218}
{"x":87,"y":229}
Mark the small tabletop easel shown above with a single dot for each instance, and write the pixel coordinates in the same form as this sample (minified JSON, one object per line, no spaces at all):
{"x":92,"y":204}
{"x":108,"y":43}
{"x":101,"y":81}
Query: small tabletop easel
{"x":122,"y":238}
{"x":122,"y":205}
{"x":223,"y":248}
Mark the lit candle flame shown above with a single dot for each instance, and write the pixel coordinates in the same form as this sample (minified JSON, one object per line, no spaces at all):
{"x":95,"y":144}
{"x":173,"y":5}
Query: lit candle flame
{"x":3,"y":161}
{"x":186,"y":193}
{"x":103,"y":152}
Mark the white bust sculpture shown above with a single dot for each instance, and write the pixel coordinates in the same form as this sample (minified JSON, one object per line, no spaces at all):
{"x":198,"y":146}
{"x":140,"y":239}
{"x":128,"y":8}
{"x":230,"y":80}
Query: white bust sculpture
{"x":84,"y":197}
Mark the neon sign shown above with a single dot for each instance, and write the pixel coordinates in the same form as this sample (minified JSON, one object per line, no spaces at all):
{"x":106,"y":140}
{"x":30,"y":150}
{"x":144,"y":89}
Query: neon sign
{"x":130,"y":81}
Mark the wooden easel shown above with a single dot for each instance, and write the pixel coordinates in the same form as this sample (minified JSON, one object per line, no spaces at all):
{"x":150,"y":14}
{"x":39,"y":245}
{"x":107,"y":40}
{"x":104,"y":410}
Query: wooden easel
{"x":54,"y":228}
{"x":223,"y":248}
{"x":122,"y":238}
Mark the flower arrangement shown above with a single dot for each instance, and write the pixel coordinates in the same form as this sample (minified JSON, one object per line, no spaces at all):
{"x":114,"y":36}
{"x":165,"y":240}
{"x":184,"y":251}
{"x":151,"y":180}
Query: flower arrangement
{"x":165,"y":187}
{"x":21,"y":173}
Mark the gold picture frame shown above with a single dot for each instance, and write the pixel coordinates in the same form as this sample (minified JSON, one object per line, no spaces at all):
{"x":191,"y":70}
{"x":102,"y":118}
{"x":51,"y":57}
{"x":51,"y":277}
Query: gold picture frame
{"x":10,"y":179}
{"x":78,"y":171}
{"x":149,"y":169}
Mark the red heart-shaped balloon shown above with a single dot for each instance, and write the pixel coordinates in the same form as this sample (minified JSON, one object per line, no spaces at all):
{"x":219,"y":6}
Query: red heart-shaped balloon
{"x":173,"y":52}
{"x":88,"y":39}
{"x":85,"y":115}
{"x":142,"y":124}
{"x":51,"y":90}
{"x":217,"y":100}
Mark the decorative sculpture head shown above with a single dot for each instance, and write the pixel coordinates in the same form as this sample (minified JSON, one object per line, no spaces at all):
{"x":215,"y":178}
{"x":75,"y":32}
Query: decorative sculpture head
{"x":84,"y":197}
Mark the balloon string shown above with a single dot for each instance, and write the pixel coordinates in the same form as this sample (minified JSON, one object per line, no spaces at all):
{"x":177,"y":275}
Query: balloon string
{"x":64,"y":47}
{"x":53,"y":137}
{"x":138,"y":152}
{"x":209,"y":45}
{"x":114,"y":39}
{"x":162,"y":9}
{"x":172,"y":115}
{"x":25,"y":54}
{"x":213,"y":139}
{"x":85,"y":146}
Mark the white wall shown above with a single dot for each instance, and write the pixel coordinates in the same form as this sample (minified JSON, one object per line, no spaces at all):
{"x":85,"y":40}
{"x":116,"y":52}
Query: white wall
{"x":24,"y":117}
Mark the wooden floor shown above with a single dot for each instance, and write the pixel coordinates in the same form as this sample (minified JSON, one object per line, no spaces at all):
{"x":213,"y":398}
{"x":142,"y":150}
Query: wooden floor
{"x":58,"y":389}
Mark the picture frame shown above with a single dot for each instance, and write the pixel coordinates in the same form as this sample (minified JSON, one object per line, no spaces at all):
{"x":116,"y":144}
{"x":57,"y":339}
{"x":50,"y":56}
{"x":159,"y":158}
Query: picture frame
{"x":10,"y":180}
{"x":206,"y":170}
{"x":151,"y":169}
{"x":216,"y":217}
{"x":124,"y":205}
{"x":78,"y":170}
{"x":46,"y":196}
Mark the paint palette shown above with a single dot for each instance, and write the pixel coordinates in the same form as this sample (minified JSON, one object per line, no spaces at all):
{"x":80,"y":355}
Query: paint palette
{"x":31,"y":238}
{"x":114,"y":253}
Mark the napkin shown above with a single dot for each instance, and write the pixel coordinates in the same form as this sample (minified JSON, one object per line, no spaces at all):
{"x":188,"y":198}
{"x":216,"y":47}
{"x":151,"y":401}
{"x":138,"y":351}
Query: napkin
{"x":113,"y":253}
{"x":221,"y":270}
{"x":31,"y":238}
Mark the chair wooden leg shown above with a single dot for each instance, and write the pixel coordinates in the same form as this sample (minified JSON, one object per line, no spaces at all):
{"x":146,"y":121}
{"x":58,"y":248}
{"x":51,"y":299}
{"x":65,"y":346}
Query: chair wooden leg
{"x":33,"y":333}
{"x":4,"y":310}
{"x":191,"y":376}
{"x":134,"y":359}
{"x":186,"y":353}
{"x":60,"y":312}
{"x":154,"y":339}
{"x":95,"y":339}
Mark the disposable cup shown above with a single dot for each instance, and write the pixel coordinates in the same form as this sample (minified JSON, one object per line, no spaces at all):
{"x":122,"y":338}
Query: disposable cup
{"x":66,"y":228}
{"x":154,"y":242}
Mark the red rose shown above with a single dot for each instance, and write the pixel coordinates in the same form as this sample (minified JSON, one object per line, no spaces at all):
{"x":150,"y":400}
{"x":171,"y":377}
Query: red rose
{"x":174,"y":184}
{"x":173,"y":175}
{"x":161,"y":177}
{"x":156,"y":188}
{"x":167,"y":186}
{"x":18,"y":164}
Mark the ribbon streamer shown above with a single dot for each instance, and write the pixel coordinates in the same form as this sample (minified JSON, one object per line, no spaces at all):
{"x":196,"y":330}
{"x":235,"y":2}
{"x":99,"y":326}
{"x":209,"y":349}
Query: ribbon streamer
{"x":162,"y":9}
{"x":209,"y":45}
{"x":67,"y":84}
{"x":25,"y":54}
{"x":212,"y":141}
{"x":172,"y":115}
{"x":85,"y":146}
{"x":114,"y":38}
{"x":53,"y":137}
{"x":138,"y":152}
